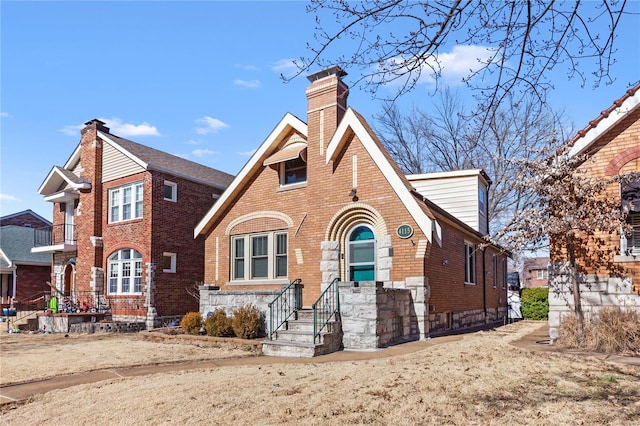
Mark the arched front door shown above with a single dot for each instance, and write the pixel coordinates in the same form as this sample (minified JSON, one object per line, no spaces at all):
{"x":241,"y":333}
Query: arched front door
{"x":68,"y":280}
{"x":361,"y":254}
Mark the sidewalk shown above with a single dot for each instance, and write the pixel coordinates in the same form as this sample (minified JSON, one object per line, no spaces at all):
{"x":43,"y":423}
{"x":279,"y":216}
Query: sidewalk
{"x":538,"y":340}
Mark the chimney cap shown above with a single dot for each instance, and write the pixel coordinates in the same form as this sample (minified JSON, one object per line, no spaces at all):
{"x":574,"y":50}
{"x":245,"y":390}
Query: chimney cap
{"x":100,"y":125}
{"x":334,"y":70}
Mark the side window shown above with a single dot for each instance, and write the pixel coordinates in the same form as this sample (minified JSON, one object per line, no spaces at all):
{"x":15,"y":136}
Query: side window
{"x":469,"y":263}
{"x":170,"y":191}
{"x":168,"y":262}
{"x":630,"y":240}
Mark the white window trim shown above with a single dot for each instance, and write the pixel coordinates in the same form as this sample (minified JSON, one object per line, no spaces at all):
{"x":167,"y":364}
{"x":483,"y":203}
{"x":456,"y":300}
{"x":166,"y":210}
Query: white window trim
{"x":271,"y":255}
{"x":469,"y":269}
{"x":174,"y":191}
{"x":282,"y":168}
{"x":495,"y":271}
{"x":120,"y":202}
{"x":173,"y":257}
{"x":120,"y":263}
{"x":542,"y":274}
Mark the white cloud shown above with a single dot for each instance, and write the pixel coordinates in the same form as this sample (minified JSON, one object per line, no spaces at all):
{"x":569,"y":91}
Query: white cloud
{"x":126,"y":129}
{"x":7,"y":198}
{"x":249,"y":84}
{"x":464,"y":60}
{"x":203,"y":152}
{"x":211,"y":125}
{"x":117,"y":127}
{"x":454,"y":66}
{"x":247,"y":153}
{"x":247,"y":67}
{"x":185,"y":156}
{"x":4,"y":114}
{"x":286,"y":67}
{"x":192,"y":142}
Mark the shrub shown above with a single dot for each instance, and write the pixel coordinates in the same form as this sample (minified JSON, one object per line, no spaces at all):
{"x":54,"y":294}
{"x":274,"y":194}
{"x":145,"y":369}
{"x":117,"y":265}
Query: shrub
{"x":535,"y":303}
{"x":218,"y":324}
{"x":191,"y":323}
{"x":611,"y":331}
{"x":246,"y":321}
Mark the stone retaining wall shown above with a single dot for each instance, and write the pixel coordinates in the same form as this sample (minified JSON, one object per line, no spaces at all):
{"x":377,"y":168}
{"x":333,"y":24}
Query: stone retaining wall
{"x":108,"y":327}
{"x":374,"y":316}
{"x":596,"y":293}
{"x":212,"y":298}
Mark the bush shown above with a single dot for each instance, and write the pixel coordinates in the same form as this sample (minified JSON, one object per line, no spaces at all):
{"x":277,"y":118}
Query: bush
{"x":246,"y":321}
{"x":218,"y":324}
{"x":191,"y":323}
{"x":535,"y":303}
{"x":611,"y":331}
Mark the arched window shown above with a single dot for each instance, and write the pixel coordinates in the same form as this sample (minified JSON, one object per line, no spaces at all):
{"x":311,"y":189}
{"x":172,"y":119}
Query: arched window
{"x":361,"y":254}
{"x":125,"y":272}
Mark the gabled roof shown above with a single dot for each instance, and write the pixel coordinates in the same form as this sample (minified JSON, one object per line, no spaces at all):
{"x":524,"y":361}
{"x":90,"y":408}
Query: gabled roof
{"x":153,"y":159}
{"x":25,"y":212}
{"x":605,"y":121}
{"x":354,"y":124}
{"x":15,"y":247}
{"x":58,"y":177}
{"x":283,"y":129}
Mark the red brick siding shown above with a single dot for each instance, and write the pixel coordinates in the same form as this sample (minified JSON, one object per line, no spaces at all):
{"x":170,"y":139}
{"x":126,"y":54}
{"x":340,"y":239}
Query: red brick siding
{"x":31,"y":280}
{"x":616,"y":152}
{"x":24,"y":220}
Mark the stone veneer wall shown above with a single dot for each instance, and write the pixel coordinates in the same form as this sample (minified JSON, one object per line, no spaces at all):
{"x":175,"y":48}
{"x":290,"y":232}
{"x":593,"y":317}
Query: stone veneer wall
{"x":374,"y":316}
{"x":596,"y":293}
{"x":211,"y":298}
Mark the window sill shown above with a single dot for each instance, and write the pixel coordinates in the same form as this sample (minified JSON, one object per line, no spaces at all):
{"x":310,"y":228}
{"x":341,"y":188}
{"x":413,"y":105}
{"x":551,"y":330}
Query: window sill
{"x":292,"y":186}
{"x":626,"y":258}
{"x":469,"y":283}
{"x":125,"y":222}
{"x":279,"y":281}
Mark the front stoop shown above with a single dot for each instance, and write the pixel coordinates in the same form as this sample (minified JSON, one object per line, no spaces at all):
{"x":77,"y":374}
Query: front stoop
{"x":296,"y":338}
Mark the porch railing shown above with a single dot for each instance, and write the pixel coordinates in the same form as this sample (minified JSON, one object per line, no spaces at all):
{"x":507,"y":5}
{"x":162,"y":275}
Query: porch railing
{"x":55,"y":235}
{"x":287,"y":303}
{"x":324,"y":309}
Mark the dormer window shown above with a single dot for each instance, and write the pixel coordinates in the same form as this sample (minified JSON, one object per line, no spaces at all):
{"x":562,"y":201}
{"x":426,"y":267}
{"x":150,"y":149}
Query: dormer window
{"x":291,"y":162}
{"x":293,"y":171}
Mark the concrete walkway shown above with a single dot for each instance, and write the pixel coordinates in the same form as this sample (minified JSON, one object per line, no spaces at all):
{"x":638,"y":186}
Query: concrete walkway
{"x":537,"y":340}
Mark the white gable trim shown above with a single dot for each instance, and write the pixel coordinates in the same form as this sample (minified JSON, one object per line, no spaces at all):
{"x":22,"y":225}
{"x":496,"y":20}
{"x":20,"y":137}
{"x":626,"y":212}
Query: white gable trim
{"x":351,"y":121}
{"x":6,"y":258}
{"x":289,"y":121}
{"x":605,"y":124}
{"x":55,"y":173}
{"x":116,"y":146}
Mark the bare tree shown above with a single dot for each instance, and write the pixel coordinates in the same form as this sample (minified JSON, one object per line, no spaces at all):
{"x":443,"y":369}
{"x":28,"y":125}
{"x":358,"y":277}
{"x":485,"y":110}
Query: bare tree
{"x":518,"y":42}
{"x":576,"y":213}
{"x":451,"y":138}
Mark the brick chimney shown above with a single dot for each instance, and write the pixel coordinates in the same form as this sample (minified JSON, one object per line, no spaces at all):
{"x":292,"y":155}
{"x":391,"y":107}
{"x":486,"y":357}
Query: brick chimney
{"x":327,"y":97}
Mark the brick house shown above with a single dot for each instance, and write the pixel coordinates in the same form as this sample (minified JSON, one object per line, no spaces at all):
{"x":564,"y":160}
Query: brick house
{"x":612,"y":142}
{"x":23,"y":275}
{"x":122,"y":234}
{"x":535,"y":272}
{"x":322,"y":206}
{"x":26,"y":218}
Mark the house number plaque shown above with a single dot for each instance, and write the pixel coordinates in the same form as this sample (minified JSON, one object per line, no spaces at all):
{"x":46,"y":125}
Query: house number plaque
{"x":404,"y":231}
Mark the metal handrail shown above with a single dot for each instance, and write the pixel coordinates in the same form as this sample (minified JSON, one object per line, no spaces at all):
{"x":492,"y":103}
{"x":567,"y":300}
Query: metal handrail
{"x":327,"y":305}
{"x":64,"y":233}
{"x":287,"y":303}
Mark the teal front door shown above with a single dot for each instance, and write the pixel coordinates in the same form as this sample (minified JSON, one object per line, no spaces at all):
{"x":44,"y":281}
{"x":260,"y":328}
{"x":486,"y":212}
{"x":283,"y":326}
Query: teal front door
{"x":361,"y":254}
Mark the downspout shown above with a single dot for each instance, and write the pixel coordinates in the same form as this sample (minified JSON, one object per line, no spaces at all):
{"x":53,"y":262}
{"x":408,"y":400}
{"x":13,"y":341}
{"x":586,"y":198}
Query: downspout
{"x":484,"y":286}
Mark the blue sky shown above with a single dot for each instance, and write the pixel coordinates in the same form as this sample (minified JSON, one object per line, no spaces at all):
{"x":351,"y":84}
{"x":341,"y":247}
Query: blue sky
{"x":196,"y":79}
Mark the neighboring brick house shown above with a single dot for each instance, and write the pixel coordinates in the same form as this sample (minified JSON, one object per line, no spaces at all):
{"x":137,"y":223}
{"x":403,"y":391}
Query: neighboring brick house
{"x":122,"y":234}
{"x":535,"y":272}
{"x":323,"y":200}
{"x":23,"y":275}
{"x":612,"y":143}
{"x":26,"y":218}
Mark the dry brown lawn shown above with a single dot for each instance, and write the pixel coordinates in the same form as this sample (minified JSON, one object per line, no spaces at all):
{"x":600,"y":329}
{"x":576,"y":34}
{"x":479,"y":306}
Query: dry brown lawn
{"x":478,"y":380}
